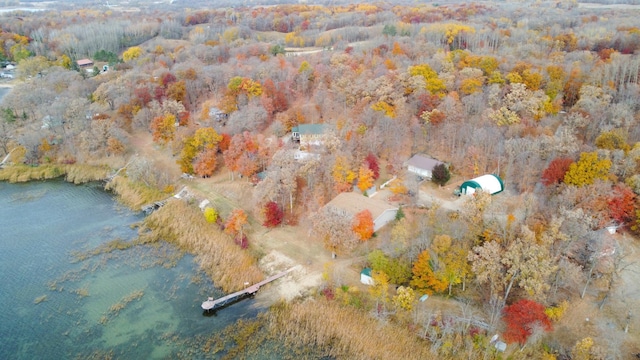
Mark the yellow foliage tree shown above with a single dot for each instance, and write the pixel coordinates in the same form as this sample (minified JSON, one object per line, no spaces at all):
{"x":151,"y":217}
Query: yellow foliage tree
{"x":387,"y":108}
{"x":365,"y":178}
{"x":131,"y":53}
{"x":432,"y":82}
{"x":586,"y":170}
{"x":405,"y":298}
{"x":211,"y":215}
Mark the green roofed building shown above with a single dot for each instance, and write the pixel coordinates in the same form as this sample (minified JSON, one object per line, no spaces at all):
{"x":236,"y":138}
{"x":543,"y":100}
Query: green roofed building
{"x":309,"y":131}
{"x":365,"y":277}
{"x":489,"y":183}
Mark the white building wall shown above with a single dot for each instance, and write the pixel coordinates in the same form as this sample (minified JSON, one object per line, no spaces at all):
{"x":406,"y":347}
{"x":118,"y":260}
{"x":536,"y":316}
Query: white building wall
{"x":421,"y":172}
{"x":386,"y":217}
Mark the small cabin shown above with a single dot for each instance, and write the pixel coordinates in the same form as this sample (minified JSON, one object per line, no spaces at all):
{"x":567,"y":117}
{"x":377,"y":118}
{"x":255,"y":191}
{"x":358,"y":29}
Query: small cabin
{"x":83,"y":63}
{"x":365,"y":277}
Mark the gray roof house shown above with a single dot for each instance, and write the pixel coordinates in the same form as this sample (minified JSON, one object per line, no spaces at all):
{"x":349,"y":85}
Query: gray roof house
{"x":422,"y":165}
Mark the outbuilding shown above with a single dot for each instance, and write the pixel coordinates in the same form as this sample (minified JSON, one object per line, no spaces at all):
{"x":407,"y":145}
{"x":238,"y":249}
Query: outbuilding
{"x":365,"y":277}
{"x":422,"y":165}
{"x":489,"y":183}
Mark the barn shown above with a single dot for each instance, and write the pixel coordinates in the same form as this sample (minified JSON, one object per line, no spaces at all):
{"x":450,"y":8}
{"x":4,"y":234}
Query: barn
{"x":489,"y":183}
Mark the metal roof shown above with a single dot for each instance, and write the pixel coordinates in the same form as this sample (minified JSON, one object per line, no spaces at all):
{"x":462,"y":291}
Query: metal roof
{"x":423,"y":162}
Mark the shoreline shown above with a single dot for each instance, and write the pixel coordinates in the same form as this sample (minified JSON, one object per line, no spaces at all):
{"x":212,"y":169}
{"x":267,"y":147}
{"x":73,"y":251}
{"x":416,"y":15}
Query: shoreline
{"x":229,"y":267}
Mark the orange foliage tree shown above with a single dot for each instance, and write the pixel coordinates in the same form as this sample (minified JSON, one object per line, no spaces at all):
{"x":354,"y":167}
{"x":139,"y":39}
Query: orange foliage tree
{"x":235,"y":224}
{"x":205,"y":163}
{"x":365,"y":178}
{"x":424,"y":279}
{"x":363,"y":225}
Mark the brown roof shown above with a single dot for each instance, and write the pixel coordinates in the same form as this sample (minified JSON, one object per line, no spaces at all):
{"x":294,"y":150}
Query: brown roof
{"x":354,"y":203}
{"x":84,"y":62}
{"x":423,"y":162}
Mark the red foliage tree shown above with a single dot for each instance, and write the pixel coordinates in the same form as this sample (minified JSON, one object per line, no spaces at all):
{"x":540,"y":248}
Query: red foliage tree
{"x":167,"y":78}
{"x":363,"y":225}
{"x":554,"y":173}
{"x":143,"y":95}
{"x":273,"y":214}
{"x":372,"y":163}
{"x":622,"y":204}
{"x":521,"y":319}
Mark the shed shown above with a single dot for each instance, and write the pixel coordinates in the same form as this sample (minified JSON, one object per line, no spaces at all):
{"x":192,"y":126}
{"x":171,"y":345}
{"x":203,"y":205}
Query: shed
{"x":350,"y":203}
{"x":365,"y":277}
{"x":84,"y":62}
{"x":489,"y":183}
{"x":422,"y":165}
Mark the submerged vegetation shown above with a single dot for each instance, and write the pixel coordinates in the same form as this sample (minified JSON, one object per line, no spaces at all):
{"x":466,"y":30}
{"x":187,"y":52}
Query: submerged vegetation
{"x":115,"y":309}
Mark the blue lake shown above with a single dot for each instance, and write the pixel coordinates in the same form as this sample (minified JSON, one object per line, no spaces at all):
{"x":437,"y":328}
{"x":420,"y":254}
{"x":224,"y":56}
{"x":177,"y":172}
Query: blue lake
{"x":143,"y":302}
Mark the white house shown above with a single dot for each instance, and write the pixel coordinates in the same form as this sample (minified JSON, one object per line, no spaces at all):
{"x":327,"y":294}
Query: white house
{"x":422,"y":165}
{"x":351,"y":203}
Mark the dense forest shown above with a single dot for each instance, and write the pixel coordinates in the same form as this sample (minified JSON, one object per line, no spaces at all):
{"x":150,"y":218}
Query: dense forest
{"x":544,"y":94}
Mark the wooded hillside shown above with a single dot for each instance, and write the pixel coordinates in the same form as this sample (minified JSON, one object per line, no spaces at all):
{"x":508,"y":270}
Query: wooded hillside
{"x":546,"y":95}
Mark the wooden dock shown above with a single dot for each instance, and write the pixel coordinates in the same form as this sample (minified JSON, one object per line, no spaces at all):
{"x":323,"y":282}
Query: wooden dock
{"x":212,"y":304}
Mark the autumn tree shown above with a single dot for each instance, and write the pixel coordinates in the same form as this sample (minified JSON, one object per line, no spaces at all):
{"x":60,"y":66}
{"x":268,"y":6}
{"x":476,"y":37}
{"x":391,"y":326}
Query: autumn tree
{"x":163,"y":128}
{"x":365,"y":178}
{"x":205,"y":163}
{"x":432,"y":82}
{"x":334,"y":229}
{"x":586,"y":170}
{"x":342,"y":174}
{"x":440,"y":174}
{"x":522,"y":318}
{"x":363,"y":225}
{"x":405,"y":298}
{"x":273,"y":214}
{"x":380,"y":291}
{"x":612,"y":140}
{"x":371,"y":161}
{"x":211,"y":215}
{"x":424,"y":279}
{"x":235,"y":224}
{"x":203,"y":145}
{"x":555,"y":172}
{"x":622,"y":204}
{"x":398,"y":269}
{"x":452,"y":256}
{"x":131,"y":53}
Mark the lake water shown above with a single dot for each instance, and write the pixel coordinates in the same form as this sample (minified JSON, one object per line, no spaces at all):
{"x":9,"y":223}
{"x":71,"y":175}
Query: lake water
{"x":140,"y":303}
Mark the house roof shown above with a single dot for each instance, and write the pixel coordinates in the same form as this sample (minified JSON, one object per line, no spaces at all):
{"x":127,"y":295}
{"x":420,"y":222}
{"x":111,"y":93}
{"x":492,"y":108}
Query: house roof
{"x":308,"y":129}
{"x":354,"y":203}
{"x":83,"y":62}
{"x":423,"y":162}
